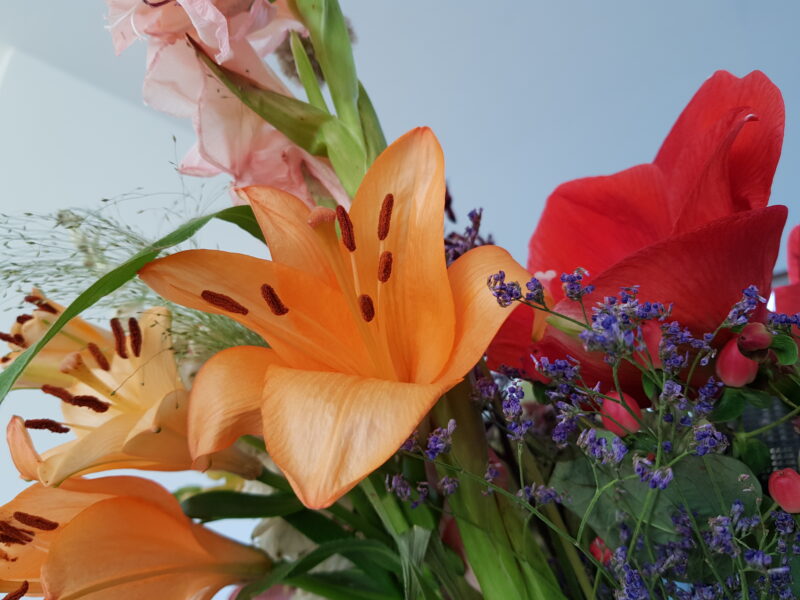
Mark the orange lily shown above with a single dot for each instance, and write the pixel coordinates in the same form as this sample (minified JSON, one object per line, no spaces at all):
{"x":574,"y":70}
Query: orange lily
{"x":366,"y":331}
{"x":29,"y":328}
{"x":63,"y":542}
{"x":129,"y":411}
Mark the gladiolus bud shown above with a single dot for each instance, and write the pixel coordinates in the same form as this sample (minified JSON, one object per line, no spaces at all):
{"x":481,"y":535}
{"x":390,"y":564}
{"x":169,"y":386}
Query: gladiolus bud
{"x":784,"y":487}
{"x":600,"y":551}
{"x":616,"y":418}
{"x":754,"y":336}
{"x":733,"y":367}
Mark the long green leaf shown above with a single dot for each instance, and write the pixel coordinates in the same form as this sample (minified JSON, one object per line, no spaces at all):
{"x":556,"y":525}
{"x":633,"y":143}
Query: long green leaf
{"x":115,"y":279}
{"x":227,"y":504}
{"x":352,"y":548}
{"x":331,"y":40}
{"x":306,"y":73}
{"x":371,"y":125}
{"x":344,"y":585}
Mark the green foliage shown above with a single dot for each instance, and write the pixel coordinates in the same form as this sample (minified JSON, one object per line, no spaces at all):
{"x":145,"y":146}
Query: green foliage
{"x":785,"y":349}
{"x":226,"y":504}
{"x":114,"y":279}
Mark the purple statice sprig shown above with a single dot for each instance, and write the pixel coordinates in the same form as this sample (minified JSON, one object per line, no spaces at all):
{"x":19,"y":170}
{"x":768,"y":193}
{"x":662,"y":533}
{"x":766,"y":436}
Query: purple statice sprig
{"x":740,"y":312}
{"x":707,"y":440}
{"x":597,"y":446}
{"x":457,"y":244}
{"x":514,"y":413}
{"x":782,"y":323}
{"x":616,"y":324}
{"x":539,"y":494}
{"x":505,"y":292}
{"x":572,"y":285}
{"x":440,"y":440}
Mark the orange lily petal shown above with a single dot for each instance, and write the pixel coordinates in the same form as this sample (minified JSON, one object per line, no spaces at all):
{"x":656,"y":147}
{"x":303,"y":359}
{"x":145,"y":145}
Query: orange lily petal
{"x":327,"y":431}
{"x":291,"y":239}
{"x":479,"y":316}
{"x":321,"y":339}
{"x":163,"y":558}
{"x":414,"y":308}
{"x":226,"y":398}
{"x":23,"y":452}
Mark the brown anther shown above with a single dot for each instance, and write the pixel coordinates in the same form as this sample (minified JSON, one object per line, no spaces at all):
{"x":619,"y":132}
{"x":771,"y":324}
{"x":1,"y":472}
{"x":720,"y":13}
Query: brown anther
{"x":46,"y":424}
{"x":385,"y":217}
{"x":99,"y":357}
{"x":19,"y":340}
{"x":22,"y":319}
{"x":74,"y":365}
{"x":119,"y":337}
{"x":19,"y":592}
{"x":91,"y":402}
{"x":272,"y":299}
{"x":320,"y":215}
{"x":224,"y":302}
{"x":56,"y":391}
{"x":35,"y":521}
{"x":367,"y":307}
{"x":5,"y":359}
{"x":15,"y":535}
{"x":135,"y":334}
{"x":346,"y":226}
{"x":385,"y":266}
{"x":7,"y":338}
{"x":41,"y":303}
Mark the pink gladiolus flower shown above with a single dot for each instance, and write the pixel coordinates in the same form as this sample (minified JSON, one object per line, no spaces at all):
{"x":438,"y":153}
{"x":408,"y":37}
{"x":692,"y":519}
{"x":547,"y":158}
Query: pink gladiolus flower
{"x":230,"y":137}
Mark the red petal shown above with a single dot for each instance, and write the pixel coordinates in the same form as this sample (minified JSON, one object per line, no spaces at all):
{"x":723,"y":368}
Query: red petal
{"x":787,"y":299}
{"x":702,"y":273}
{"x":722,"y":151}
{"x":597,"y":221}
{"x":512,"y":344}
{"x":794,"y":255}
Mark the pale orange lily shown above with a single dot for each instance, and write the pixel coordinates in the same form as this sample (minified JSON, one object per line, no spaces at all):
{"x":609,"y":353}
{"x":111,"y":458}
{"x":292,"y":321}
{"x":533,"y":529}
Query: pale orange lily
{"x":29,"y":328}
{"x":126,"y":411}
{"x":65,"y":542}
{"x":366,"y":331}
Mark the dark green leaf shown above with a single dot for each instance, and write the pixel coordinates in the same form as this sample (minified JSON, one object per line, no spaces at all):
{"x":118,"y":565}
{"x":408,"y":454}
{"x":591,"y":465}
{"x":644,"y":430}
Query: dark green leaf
{"x":754,"y":453}
{"x":351,"y":548}
{"x":785,"y":349}
{"x":730,"y":406}
{"x":112,"y":281}
{"x":226,"y":504}
{"x":758,"y":398}
{"x":649,"y":385}
{"x":243,"y":217}
{"x":344,"y":585}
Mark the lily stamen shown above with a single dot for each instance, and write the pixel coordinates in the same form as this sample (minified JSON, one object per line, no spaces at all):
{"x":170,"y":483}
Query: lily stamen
{"x":135,"y":335}
{"x":346,"y":226}
{"x":47,"y":425}
{"x":41,"y":304}
{"x":224,"y":302}
{"x":385,"y":217}
{"x":385,"y":266}
{"x":119,"y":337}
{"x":272,"y":299}
{"x":99,"y":357}
{"x":367,"y":307}
{"x":22,"y":319}
{"x":35,"y":521}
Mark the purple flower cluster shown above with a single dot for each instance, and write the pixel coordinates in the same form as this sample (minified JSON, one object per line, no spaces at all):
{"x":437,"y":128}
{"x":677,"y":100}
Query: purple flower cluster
{"x":571,"y":284}
{"x":656,"y":478}
{"x":492,"y":473}
{"x":673,"y":349}
{"x":514,"y":414}
{"x":598,"y":447}
{"x":456,"y":244}
{"x":440,"y":440}
{"x":535,"y":293}
{"x":539,"y":494}
{"x":782,"y":323}
{"x":707,"y":440}
{"x":616,"y":328}
{"x":448,"y":485}
{"x":632,"y":586}
{"x":706,"y":396}
{"x":397,"y":485}
{"x":505,"y":292}
{"x":741,"y":311}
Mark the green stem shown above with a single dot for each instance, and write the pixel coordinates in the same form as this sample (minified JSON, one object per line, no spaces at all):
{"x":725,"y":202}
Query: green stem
{"x":769,"y":426}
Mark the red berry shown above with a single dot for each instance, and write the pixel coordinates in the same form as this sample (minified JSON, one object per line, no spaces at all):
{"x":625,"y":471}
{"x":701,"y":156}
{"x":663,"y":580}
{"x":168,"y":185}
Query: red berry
{"x":600,"y":551}
{"x":616,"y":418}
{"x":733,"y":367}
{"x":784,"y":487}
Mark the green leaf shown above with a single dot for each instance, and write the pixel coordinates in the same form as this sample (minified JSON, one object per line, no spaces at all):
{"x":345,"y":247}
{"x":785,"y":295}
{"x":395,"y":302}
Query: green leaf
{"x":706,"y":486}
{"x":752,"y":452}
{"x":649,"y":385}
{"x":331,"y":40}
{"x":730,"y":406}
{"x":306,"y":73}
{"x":785,"y":349}
{"x":351,"y":548}
{"x":314,"y":130}
{"x":113,"y":280}
{"x":373,"y":133}
{"x":344,"y":585}
{"x":758,"y":398}
{"x":226,"y":504}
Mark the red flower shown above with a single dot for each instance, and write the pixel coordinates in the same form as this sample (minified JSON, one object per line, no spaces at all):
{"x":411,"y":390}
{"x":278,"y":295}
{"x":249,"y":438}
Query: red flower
{"x":682,"y":227}
{"x":787,"y":297}
{"x":784,"y":487}
{"x":600,"y":551}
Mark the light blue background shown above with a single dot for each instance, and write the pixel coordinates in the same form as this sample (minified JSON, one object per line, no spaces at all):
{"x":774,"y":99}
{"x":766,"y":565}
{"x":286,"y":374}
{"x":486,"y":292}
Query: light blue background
{"x":523,"y":96}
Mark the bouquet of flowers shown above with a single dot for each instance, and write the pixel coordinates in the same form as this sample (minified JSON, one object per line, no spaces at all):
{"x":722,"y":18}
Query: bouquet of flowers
{"x":409,"y":413}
